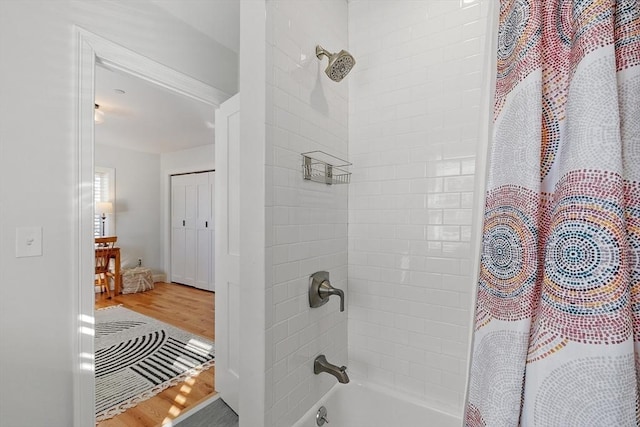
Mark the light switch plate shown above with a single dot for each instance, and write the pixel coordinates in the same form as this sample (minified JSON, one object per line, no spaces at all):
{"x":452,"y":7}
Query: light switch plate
{"x":28,"y":241}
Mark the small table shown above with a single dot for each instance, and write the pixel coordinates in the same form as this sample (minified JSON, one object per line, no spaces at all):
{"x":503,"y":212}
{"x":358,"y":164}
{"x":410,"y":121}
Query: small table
{"x":115,"y":254}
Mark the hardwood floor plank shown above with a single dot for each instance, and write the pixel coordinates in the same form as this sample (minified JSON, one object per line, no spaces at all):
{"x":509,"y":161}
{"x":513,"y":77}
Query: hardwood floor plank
{"x":184,"y":307}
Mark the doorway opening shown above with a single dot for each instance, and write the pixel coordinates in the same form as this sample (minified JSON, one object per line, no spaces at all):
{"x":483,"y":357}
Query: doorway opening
{"x":144,"y":133}
{"x":95,"y":54}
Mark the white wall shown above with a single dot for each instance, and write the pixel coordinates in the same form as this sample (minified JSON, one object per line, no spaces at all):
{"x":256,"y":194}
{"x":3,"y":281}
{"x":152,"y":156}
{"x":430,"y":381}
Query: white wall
{"x":192,"y":160}
{"x":306,"y":221}
{"x":37,"y":147}
{"x":142,"y":198}
{"x":145,"y":27}
{"x":252,"y":263}
{"x":137,"y":204}
{"x":414,"y":130}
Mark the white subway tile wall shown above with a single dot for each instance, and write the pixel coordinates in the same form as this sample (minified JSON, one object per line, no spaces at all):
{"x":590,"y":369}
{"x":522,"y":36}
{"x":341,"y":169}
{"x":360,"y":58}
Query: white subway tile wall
{"x":414,"y":104}
{"x":306,"y":221}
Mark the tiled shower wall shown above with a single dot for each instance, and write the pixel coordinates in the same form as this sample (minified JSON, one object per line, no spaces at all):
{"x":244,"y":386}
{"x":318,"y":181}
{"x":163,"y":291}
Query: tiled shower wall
{"x":306,"y":221}
{"x":413,"y":132}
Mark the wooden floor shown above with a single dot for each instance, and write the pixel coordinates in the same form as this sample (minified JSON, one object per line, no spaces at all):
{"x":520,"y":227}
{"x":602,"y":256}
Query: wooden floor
{"x":184,"y":307}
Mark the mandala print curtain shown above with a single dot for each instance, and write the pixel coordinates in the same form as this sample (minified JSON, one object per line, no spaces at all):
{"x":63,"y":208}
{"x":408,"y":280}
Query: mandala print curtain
{"x":558,"y":314}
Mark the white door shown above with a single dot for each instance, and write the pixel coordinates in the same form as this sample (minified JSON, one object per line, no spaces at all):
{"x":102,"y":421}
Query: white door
{"x":204,"y":228}
{"x":212,"y":234}
{"x":184,"y":194}
{"x":177,"y":229}
{"x":227,"y":250}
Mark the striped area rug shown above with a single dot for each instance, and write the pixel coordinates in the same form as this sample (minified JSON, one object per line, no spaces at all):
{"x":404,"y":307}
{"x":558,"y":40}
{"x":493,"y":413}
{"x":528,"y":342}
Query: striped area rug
{"x":137,"y":357}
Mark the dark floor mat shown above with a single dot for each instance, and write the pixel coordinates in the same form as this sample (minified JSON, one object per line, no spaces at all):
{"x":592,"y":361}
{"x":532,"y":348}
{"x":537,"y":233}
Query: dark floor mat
{"x":217,"y":414}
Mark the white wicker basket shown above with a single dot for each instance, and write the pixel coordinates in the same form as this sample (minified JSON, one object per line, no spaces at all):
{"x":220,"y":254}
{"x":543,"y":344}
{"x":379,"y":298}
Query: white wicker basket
{"x":137,"y":279}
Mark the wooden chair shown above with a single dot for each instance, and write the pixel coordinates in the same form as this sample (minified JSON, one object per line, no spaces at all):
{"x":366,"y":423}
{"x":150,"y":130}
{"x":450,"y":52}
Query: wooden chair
{"x":104,"y":252}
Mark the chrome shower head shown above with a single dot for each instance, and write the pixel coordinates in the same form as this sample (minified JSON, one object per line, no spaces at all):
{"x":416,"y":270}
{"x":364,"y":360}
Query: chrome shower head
{"x":339,"y":63}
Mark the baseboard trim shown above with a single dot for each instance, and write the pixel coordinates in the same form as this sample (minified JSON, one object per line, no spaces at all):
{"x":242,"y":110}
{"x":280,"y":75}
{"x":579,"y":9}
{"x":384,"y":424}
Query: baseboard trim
{"x":160,"y":277}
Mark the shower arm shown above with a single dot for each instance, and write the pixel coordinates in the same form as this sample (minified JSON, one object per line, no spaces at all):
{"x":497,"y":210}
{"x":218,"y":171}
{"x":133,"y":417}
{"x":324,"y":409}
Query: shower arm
{"x":322,"y":51}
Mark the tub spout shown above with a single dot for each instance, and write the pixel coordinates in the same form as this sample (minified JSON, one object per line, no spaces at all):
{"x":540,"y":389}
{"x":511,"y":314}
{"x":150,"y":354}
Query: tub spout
{"x":321,"y":365}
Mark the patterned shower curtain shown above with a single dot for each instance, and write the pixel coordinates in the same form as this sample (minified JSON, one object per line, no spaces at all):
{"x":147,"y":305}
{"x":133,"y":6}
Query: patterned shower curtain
{"x":557,"y":334}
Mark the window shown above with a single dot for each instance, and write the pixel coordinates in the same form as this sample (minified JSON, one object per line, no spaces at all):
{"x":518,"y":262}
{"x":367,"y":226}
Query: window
{"x":103,"y":187}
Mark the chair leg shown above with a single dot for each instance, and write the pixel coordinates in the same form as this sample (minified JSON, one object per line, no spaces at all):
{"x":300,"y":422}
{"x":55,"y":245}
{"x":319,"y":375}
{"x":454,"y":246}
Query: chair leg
{"x":106,"y":283}
{"x":103,"y":283}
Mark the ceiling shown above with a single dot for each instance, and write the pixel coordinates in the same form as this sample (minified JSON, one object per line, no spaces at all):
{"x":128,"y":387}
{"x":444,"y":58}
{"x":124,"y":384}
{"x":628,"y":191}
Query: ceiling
{"x":150,"y":118}
{"x":147,"y":117}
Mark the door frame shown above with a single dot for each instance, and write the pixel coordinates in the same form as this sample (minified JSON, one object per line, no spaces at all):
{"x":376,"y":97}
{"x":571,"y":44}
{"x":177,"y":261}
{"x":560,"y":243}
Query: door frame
{"x":92,"y":50}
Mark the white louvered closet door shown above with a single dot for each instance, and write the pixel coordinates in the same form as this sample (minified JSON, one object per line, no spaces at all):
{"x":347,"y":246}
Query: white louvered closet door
{"x":185,"y":258}
{"x":204,"y":232}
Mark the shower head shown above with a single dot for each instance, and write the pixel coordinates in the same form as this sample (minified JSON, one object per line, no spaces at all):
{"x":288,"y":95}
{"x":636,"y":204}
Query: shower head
{"x":339,"y":63}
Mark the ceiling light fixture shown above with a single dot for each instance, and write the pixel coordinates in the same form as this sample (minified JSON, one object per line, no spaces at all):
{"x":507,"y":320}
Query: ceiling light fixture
{"x":98,"y":116}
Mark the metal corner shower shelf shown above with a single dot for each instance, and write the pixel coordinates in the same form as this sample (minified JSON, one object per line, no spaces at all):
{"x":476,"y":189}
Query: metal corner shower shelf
{"x":319,"y":166}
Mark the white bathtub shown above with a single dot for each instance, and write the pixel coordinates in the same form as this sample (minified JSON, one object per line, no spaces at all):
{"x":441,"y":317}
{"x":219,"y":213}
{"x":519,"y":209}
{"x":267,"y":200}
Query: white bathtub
{"x":359,"y":404}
